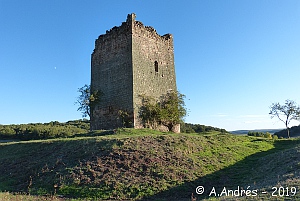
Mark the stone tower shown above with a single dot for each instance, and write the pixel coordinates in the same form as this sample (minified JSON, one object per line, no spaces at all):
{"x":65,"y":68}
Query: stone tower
{"x":128,"y":61}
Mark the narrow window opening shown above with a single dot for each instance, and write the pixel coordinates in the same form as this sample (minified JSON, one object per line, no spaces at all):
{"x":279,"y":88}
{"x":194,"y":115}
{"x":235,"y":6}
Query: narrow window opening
{"x":156,"y":66}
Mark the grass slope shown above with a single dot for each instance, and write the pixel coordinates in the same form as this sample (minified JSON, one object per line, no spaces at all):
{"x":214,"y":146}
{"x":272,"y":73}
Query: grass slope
{"x":147,"y":165}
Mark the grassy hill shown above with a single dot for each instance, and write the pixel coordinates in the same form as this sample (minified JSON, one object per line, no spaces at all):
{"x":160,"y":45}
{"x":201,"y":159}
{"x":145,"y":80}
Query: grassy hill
{"x":147,"y":165}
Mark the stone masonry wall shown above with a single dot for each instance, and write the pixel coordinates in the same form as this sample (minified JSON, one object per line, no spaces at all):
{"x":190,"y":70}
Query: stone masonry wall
{"x":153,"y":65}
{"x":129,"y":61}
{"x":112,"y":75}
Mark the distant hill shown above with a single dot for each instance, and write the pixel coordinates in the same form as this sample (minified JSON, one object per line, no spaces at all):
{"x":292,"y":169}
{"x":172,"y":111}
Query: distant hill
{"x":294,"y":132}
{"x":242,"y":132}
{"x":199,"y":128}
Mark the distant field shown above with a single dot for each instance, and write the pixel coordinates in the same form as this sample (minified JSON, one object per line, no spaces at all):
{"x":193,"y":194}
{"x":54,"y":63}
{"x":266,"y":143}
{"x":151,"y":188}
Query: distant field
{"x":148,"y":165}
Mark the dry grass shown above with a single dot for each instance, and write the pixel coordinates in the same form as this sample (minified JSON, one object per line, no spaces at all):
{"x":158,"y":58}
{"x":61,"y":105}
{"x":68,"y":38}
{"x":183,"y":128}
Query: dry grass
{"x":144,"y":165}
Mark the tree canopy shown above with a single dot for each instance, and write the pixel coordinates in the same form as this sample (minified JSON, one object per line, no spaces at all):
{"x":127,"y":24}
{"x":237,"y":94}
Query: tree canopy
{"x":286,"y":113}
{"x":87,"y":99}
{"x":169,"y":110}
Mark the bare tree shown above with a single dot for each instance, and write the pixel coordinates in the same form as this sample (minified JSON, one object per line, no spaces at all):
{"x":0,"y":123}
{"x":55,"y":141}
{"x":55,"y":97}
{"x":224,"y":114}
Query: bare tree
{"x":285,"y":113}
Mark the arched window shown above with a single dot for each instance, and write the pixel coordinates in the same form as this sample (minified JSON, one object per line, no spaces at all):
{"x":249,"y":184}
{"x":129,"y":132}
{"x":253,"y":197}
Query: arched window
{"x":156,"y":66}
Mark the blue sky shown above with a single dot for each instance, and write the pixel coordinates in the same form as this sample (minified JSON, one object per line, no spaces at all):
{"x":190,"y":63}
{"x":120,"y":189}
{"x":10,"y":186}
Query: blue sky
{"x":233,"y":58}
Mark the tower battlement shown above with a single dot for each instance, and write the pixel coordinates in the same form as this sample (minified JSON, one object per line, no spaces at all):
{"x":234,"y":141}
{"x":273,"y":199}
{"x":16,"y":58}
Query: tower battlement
{"x":130,"y":24}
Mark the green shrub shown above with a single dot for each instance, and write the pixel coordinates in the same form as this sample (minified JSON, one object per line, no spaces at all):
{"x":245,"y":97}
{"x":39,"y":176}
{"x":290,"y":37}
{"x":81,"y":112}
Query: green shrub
{"x":36,"y":131}
{"x":275,"y":137}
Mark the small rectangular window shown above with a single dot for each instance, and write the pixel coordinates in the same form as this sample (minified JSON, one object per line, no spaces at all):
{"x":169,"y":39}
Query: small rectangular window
{"x":156,"y":66}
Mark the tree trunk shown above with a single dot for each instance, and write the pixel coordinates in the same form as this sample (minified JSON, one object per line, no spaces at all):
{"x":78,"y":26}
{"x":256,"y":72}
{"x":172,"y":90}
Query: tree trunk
{"x":287,"y":128}
{"x":288,"y":132}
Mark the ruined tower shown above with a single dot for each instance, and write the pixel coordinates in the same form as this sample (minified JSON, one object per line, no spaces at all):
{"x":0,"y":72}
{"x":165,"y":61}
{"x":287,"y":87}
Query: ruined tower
{"x":128,"y":61}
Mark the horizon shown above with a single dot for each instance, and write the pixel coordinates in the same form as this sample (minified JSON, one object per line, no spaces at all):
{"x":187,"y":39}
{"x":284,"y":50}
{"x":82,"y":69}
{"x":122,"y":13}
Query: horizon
{"x":84,"y":119}
{"x":233,"y":59}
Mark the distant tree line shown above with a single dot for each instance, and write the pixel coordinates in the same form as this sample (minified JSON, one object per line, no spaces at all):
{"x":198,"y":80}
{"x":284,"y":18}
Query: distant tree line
{"x":35,"y":131}
{"x":198,"y":128}
{"x":262,"y":134}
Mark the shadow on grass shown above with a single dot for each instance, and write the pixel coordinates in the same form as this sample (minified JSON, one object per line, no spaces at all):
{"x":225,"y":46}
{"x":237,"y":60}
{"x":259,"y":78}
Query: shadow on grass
{"x":237,"y":176}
